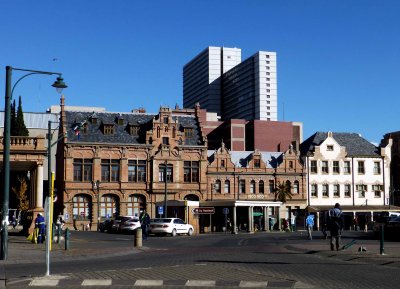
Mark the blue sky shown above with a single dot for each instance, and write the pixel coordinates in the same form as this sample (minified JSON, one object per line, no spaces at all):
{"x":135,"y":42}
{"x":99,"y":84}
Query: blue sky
{"x":338,"y":61}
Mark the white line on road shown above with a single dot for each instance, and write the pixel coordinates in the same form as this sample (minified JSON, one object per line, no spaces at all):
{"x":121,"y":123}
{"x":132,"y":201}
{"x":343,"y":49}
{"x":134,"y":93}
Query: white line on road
{"x":200,"y":283}
{"x":44,"y":282}
{"x":251,"y":284}
{"x":148,"y":283}
{"x":96,"y":282}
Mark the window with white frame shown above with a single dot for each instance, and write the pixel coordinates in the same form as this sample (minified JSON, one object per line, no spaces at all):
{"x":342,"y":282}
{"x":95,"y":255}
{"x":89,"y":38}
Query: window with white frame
{"x":335,"y":168}
{"x":325,"y":168}
{"x":252,"y":187}
{"x":227,"y":187}
{"x":377,"y":168}
{"x":377,"y":190}
{"x":313,"y":167}
{"x":296,"y":187}
{"x":347,"y":190}
{"x":360,"y":167}
{"x":336,"y":191}
{"x":314,"y":190}
{"x":217,"y":186}
{"x":325,"y":190}
{"x":361,"y":189}
{"x":346,"y":167}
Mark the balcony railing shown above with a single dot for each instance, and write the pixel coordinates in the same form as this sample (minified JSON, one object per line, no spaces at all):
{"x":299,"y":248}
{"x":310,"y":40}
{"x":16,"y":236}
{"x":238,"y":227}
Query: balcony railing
{"x":24,"y":143}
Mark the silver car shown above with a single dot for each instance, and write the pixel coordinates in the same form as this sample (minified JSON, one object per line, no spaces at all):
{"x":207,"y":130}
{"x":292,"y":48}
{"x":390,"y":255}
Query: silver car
{"x":129,"y":225}
{"x":171,"y":226}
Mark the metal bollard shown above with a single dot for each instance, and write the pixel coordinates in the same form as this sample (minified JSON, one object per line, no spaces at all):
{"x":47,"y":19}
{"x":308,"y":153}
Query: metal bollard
{"x":382,"y":249}
{"x":67,"y":239}
{"x":138,"y":237}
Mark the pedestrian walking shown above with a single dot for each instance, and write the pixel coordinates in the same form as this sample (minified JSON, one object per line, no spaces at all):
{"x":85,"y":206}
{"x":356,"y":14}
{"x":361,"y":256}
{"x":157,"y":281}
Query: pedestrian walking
{"x":293,"y":222}
{"x":335,"y":226}
{"x":41,"y":226}
{"x":310,"y":225}
{"x":144,"y":222}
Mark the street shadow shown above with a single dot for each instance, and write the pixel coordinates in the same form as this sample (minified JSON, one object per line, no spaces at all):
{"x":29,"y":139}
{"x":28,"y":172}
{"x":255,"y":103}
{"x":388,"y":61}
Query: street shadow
{"x":274,"y":263}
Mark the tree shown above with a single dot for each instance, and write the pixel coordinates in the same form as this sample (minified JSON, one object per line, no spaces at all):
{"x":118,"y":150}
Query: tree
{"x":20,"y":193}
{"x":283,"y":193}
{"x":20,"y":127}
{"x":13,"y":120}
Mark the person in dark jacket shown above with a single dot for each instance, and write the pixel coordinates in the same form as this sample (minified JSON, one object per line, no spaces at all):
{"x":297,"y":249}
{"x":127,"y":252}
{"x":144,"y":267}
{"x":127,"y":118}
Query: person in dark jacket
{"x":335,"y":226}
{"x":41,"y":226}
{"x":145,"y":222}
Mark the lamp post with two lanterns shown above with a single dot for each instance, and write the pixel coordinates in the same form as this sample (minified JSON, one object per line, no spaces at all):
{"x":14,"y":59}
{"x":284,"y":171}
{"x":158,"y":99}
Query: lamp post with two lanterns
{"x":59,"y":84}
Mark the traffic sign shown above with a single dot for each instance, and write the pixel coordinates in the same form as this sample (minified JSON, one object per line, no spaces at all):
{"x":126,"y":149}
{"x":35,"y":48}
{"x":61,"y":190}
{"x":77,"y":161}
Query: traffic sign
{"x":203,"y":210}
{"x":225,"y":211}
{"x":161,"y":210}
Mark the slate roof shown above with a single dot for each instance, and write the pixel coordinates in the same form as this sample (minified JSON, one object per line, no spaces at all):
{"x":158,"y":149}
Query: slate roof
{"x":355,"y":145}
{"x":241,"y":159}
{"x":121,"y":132}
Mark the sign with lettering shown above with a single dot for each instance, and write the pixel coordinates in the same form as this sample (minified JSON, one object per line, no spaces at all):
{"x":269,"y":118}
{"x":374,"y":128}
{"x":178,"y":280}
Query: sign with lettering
{"x":203,"y":210}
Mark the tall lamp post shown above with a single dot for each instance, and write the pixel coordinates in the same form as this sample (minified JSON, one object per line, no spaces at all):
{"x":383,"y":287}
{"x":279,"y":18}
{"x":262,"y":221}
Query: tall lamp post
{"x":96,"y":186}
{"x":165,"y":189}
{"x":59,"y":84}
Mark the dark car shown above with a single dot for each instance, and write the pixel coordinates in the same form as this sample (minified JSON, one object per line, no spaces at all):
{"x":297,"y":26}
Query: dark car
{"x":380,"y":221}
{"x":393,"y":228}
{"x":106,"y":226}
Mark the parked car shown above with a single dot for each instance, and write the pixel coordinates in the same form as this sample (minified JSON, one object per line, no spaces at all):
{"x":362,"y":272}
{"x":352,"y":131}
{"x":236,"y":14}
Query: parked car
{"x":172,"y":226}
{"x":393,"y":228}
{"x":115,"y":228}
{"x":106,"y":225}
{"x":129,"y":225}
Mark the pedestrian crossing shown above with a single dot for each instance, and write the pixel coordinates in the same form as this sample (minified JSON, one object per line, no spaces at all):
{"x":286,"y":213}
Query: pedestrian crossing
{"x":87,"y":283}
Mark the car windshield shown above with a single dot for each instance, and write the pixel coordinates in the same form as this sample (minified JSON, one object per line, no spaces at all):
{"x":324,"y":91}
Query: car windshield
{"x":164,"y":220}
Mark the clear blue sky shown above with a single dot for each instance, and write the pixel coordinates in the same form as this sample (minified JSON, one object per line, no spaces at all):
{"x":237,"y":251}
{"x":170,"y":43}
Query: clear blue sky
{"x":338,"y":61}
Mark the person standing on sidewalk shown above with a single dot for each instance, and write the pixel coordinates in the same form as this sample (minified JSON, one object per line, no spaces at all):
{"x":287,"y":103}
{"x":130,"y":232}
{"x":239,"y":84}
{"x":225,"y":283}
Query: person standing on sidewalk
{"x":145,"y":222}
{"x":335,"y":226}
{"x":40,"y":225}
{"x":310,"y":225}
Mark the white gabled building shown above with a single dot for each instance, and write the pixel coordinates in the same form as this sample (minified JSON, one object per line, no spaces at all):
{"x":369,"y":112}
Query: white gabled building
{"x":347,"y":169}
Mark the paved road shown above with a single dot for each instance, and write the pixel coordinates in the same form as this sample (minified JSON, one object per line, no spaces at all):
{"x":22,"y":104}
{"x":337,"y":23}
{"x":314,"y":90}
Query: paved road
{"x":263,"y":260}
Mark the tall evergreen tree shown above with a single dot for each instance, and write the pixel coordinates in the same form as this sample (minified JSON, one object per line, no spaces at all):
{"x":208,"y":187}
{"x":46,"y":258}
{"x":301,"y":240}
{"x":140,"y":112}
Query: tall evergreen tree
{"x":13,"y":131}
{"x":21,"y":129}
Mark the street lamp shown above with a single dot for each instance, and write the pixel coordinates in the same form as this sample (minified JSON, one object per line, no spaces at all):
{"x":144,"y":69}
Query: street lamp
{"x":96,"y":186}
{"x":165,"y":188}
{"x":59,"y":84}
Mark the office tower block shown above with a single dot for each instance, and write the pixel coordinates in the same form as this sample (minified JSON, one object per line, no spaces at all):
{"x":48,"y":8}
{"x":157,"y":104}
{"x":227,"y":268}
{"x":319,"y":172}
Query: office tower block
{"x":237,"y":90}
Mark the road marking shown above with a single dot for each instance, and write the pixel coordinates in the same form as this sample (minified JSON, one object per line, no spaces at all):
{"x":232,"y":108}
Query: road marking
{"x":146,"y":268}
{"x":148,"y":283}
{"x":96,"y":282}
{"x":299,"y":285}
{"x":44,"y":282}
{"x":200,"y":283}
{"x":251,"y":284}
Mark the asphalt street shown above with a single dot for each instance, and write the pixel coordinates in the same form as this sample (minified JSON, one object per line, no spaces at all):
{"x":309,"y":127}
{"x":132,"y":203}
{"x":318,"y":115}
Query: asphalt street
{"x":260,"y":260}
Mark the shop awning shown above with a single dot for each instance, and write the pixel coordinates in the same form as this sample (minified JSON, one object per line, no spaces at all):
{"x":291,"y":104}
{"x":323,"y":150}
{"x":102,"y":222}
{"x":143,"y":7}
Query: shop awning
{"x":357,"y":209}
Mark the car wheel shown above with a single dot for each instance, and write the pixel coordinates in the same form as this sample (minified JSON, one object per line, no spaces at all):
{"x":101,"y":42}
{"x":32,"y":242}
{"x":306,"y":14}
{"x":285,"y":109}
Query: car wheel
{"x":190,"y":232}
{"x":173,"y":233}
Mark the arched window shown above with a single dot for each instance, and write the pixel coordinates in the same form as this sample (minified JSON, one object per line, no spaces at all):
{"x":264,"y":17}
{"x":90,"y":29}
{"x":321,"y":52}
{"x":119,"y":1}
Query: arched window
{"x":227,"y":187}
{"x":261,"y":187}
{"x":135,"y":204}
{"x":81,"y":207}
{"x":109,"y":206}
{"x":242,"y":187}
{"x":289,"y":186}
{"x":296,"y":188}
{"x":217,"y":186}
{"x":252,"y":187}
{"x":271,"y":187}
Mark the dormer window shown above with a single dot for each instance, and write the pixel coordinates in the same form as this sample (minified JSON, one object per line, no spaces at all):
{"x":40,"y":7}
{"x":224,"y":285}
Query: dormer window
{"x":165,"y":119}
{"x":257,"y":163}
{"x":108,"y":129}
{"x":93,"y":120}
{"x":222,"y":163}
{"x":120,"y":121}
{"x":188,"y":132}
{"x":329,"y":147}
{"x":134,"y":130}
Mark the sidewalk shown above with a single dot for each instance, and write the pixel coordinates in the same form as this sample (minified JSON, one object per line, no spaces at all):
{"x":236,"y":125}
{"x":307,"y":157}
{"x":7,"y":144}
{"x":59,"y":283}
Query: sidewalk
{"x":371,"y":255}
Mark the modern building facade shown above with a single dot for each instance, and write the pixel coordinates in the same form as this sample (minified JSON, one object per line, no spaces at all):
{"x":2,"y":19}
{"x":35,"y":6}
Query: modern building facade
{"x":221,"y":83}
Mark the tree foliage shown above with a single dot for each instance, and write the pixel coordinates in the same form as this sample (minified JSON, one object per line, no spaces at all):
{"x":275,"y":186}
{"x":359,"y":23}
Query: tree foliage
{"x":282,"y":192}
{"x":18,"y":127}
{"x":20,"y":193}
